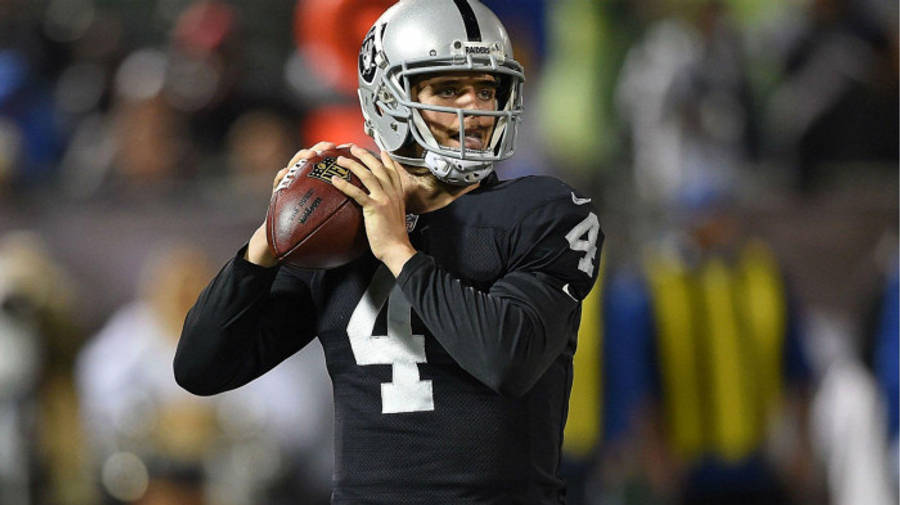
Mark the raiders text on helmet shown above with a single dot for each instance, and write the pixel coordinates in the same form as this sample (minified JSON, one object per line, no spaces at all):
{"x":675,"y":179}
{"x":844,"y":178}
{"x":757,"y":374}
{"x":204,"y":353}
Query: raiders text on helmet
{"x":423,"y":37}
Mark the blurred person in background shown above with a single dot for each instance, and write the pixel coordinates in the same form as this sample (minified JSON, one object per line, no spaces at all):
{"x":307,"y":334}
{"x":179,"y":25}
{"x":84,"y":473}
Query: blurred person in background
{"x":684,"y":97}
{"x":585,"y":44}
{"x":136,"y":141}
{"x":41,"y":453}
{"x":836,"y":99}
{"x":256,"y":141}
{"x":854,"y":414}
{"x":706,"y":340}
{"x":153,"y":443}
{"x":886,"y":355}
{"x":209,"y":78}
{"x":151,"y":145}
{"x":19,"y":368}
{"x":31,"y":140}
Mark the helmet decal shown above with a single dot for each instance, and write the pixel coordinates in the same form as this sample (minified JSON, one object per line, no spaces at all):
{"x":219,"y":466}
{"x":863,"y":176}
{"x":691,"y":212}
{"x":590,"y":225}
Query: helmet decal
{"x":473,"y":31}
{"x":367,"y":57}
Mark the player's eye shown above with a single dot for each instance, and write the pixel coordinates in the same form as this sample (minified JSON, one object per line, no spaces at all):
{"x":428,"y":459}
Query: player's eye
{"x":446,"y":92}
{"x":487,"y":94}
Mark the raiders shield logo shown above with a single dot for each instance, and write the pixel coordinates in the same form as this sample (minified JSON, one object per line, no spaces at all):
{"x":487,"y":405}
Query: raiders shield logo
{"x":367,"y":57}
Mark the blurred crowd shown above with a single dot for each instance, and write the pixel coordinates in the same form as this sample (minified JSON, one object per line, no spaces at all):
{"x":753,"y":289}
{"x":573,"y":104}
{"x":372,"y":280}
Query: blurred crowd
{"x":742,"y":347}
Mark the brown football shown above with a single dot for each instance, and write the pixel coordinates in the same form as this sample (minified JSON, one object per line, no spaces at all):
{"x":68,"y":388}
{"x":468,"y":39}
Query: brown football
{"x":311,"y":223}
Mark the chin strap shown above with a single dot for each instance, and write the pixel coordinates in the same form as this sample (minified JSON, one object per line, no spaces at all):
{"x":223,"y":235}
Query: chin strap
{"x":457,"y":172}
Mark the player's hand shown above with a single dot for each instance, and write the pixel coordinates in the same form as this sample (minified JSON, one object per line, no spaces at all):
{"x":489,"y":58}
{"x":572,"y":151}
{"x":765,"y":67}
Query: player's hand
{"x":258,"y":250}
{"x":384,"y":207}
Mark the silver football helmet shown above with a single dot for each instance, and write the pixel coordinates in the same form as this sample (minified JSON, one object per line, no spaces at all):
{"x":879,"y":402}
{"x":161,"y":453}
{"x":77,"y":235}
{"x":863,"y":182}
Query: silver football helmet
{"x":419,"y":37}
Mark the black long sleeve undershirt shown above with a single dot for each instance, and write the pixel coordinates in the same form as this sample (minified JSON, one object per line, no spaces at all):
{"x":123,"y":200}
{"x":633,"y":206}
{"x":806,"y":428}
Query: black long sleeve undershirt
{"x":506,"y":337}
{"x":245,"y":322}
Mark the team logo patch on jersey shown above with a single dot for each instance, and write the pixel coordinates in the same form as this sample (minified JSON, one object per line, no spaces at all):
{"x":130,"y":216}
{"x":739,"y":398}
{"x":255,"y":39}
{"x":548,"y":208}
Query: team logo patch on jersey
{"x":411,"y":220}
{"x":327,"y":168}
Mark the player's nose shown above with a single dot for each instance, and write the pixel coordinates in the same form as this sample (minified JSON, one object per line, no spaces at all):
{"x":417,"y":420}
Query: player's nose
{"x":466,"y":100}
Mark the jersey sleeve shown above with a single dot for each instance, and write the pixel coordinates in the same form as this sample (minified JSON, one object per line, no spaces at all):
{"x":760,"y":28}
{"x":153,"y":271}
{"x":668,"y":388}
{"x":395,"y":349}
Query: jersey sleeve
{"x":246,"y":321}
{"x":562,"y":239}
{"x":507,"y":336}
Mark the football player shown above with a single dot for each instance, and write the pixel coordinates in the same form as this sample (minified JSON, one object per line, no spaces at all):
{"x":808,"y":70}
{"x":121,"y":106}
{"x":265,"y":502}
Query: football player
{"x":450,"y":345}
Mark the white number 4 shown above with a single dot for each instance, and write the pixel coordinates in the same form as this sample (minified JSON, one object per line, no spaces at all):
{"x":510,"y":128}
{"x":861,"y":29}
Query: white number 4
{"x":590,"y":226}
{"x":407,"y":392}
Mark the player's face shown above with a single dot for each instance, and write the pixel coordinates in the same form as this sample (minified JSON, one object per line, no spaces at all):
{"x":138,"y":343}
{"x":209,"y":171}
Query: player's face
{"x":470,"y":91}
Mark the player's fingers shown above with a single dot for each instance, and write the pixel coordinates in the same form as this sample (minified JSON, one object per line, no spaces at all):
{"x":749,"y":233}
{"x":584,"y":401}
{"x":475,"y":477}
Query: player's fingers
{"x":372,"y":162}
{"x":369,"y":181}
{"x":310,"y":152}
{"x":299,"y":155}
{"x":349,"y":189}
{"x":323,"y":146}
{"x":303,"y":154}
{"x":279,"y":176}
{"x":392,"y":168}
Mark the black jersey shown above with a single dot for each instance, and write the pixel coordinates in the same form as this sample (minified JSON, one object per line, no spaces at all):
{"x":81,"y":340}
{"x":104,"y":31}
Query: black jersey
{"x":451,"y":382}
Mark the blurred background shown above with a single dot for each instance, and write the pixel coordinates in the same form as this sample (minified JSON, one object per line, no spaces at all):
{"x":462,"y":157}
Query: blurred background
{"x":743,"y":154}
